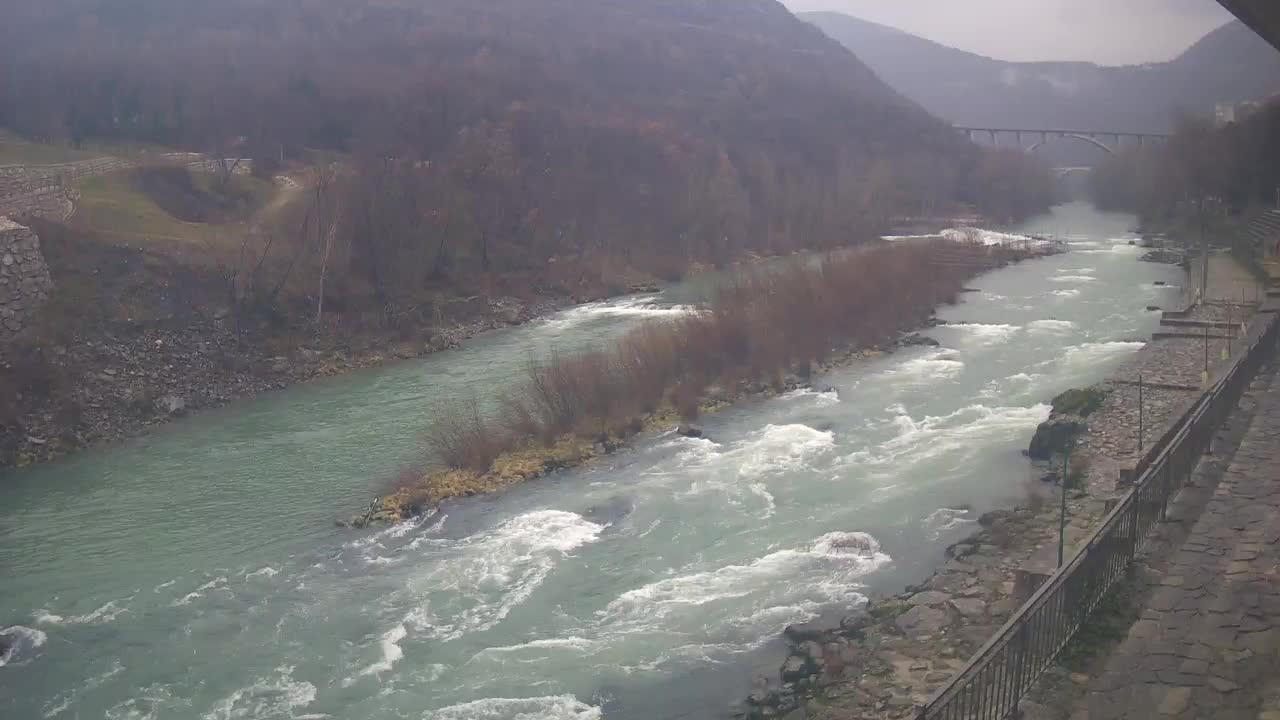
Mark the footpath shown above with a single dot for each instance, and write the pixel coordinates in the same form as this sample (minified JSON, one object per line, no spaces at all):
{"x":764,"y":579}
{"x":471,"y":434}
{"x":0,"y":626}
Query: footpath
{"x":1206,"y":644}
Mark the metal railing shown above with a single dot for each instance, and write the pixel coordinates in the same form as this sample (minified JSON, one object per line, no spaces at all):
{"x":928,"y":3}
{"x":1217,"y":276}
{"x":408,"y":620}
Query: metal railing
{"x":996,"y":678}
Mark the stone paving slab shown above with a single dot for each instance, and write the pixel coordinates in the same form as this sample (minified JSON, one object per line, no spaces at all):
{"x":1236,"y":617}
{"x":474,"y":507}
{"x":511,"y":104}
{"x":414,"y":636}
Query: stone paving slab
{"x":1208,"y":642}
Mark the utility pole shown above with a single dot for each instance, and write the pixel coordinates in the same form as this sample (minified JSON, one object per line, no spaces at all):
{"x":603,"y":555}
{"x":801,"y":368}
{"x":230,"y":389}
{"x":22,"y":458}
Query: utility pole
{"x":1141,"y":419}
{"x":1062,"y":513}
{"x":1206,"y":356}
{"x":1204,"y":254}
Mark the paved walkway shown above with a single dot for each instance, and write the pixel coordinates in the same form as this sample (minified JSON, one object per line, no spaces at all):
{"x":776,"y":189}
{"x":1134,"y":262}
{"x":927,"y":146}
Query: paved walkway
{"x":1208,"y":644}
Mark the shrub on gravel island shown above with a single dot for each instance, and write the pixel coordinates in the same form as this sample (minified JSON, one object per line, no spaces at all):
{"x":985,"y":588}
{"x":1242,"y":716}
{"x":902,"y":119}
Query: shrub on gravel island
{"x":757,"y":330}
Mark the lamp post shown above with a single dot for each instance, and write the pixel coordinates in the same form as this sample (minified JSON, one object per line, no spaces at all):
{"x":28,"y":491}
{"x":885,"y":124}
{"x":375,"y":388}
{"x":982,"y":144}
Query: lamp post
{"x":1062,"y":513}
{"x":1204,"y":254}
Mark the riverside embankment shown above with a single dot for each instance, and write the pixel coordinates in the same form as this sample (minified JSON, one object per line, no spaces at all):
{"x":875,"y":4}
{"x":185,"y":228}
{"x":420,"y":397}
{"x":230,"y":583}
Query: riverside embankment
{"x":887,"y":660}
{"x":196,"y":571}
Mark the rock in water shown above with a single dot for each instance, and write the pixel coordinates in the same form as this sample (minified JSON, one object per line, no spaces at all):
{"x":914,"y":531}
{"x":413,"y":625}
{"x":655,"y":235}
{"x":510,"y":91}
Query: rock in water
{"x":917,"y":339}
{"x":689,"y":431}
{"x":172,"y":405}
{"x":805,"y":632}
{"x":1055,"y":435}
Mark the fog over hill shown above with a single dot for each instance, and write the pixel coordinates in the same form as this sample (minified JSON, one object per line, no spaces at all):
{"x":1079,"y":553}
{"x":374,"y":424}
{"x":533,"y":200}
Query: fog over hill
{"x":1229,"y":64}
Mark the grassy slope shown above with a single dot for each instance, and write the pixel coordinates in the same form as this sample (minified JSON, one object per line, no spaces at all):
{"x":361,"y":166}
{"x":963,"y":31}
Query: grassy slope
{"x":114,"y":206}
{"x":17,"y":150}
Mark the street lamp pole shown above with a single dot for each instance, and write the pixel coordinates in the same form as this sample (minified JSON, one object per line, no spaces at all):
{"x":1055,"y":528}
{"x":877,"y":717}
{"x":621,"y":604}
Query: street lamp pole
{"x":1062,"y":513}
{"x":1204,"y":254}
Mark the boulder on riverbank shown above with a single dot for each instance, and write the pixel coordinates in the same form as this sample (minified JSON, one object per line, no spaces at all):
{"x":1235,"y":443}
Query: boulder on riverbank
{"x":1080,"y":401}
{"x":1055,"y":435}
{"x":918,"y":340}
{"x":1066,"y":421}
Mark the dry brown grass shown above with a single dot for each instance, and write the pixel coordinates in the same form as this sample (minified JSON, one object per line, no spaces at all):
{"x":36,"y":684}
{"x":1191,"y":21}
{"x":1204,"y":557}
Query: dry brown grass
{"x":756,"y":331}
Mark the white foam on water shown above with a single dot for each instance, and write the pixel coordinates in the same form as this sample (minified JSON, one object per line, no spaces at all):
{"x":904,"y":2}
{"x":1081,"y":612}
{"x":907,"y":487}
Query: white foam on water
{"x":199,"y":592}
{"x":1115,"y":246}
{"x":104,"y":614}
{"x":270,"y":697}
{"x":1054,"y":327}
{"x":827,"y":397}
{"x":154,"y":702}
{"x":770,"y":505}
{"x":942,"y":520}
{"x":1073,"y":279}
{"x":696,"y":452}
{"x":780,"y":448}
{"x":267,"y":572}
{"x":940,"y":364}
{"x":24,"y":641}
{"x":1090,"y":354}
{"x":837,"y":558}
{"x":382,"y":560}
{"x":740,"y":473}
{"x":573,"y":643}
{"x":987,"y":332}
{"x":558,"y":707}
{"x":966,"y":430}
{"x":489,"y":574}
{"x":212,"y":584}
{"x":62,"y":703}
{"x":164,"y":585}
{"x":634,"y":307}
{"x":389,"y":644}
{"x":987,"y":237}
{"x":1067,"y":293}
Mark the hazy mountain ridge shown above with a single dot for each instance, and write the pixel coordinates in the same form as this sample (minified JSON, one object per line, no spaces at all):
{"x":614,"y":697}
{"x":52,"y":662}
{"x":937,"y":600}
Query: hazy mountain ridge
{"x":1229,"y":64}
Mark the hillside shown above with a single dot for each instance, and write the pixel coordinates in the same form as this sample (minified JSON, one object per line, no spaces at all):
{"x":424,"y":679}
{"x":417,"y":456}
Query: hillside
{"x":426,"y":168}
{"x":507,"y":135}
{"x":1229,"y":64}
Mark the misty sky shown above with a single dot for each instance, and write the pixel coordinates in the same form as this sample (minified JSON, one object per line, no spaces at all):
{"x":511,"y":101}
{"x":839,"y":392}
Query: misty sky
{"x":1112,"y":32}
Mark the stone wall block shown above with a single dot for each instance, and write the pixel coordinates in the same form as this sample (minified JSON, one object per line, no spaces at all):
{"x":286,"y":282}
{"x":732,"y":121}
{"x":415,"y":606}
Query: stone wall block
{"x":25,"y":283}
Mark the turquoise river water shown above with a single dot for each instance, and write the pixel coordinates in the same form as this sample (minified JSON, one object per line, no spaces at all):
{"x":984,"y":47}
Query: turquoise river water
{"x":197,"y":573}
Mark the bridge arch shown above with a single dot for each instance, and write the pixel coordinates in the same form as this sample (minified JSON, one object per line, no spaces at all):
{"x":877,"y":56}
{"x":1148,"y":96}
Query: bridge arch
{"x":1075,"y":136}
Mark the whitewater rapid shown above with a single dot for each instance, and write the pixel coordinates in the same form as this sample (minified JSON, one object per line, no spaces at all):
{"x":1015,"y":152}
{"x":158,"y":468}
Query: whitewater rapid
{"x":197,"y":574}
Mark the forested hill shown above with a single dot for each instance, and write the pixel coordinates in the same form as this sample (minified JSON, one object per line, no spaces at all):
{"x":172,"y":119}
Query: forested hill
{"x":525,"y":131}
{"x":1229,"y":64}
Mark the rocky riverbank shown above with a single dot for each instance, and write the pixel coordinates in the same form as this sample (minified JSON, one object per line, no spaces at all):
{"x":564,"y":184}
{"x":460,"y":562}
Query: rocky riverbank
{"x":884,"y":660}
{"x":120,"y":381}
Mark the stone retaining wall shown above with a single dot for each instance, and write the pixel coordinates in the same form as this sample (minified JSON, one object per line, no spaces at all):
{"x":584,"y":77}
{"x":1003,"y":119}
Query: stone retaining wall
{"x":24,"y":278}
{"x":48,"y":190}
{"x":54,"y":203}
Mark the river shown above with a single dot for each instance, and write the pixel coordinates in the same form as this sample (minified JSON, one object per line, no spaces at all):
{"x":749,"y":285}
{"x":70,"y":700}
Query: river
{"x":196,"y":573}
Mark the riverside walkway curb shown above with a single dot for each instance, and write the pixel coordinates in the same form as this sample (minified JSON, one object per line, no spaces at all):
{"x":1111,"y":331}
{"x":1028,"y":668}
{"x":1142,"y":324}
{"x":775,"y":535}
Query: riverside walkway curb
{"x":1207,"y":643}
